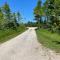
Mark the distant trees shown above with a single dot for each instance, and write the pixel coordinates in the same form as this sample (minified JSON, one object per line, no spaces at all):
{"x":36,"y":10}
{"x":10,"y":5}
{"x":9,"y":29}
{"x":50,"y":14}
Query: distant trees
{"x":7,"y":18}
{"x":31,"y":24}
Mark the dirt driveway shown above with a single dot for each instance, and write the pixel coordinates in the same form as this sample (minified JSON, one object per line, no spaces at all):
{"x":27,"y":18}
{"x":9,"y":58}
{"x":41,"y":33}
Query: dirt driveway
{"x":26,"y":47}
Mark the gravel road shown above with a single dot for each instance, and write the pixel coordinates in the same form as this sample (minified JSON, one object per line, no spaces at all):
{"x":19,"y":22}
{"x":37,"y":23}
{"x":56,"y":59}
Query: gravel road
{"x":26,"y":47}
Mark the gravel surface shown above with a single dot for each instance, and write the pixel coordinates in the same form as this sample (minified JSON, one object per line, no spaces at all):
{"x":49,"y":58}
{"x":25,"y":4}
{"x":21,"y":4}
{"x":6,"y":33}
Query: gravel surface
{"x":26,"y":47}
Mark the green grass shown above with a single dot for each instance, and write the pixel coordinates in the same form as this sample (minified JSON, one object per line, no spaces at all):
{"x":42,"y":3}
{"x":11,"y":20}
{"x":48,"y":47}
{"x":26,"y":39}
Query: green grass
{"x":5,"y":35}
{"x":48,"y":39}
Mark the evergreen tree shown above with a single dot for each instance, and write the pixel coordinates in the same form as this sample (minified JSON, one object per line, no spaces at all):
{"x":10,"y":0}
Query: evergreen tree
{"x":1,"y":19}
{"x":18,"y":16}
{"x":7,"y":12}
{"x":38,"y":13}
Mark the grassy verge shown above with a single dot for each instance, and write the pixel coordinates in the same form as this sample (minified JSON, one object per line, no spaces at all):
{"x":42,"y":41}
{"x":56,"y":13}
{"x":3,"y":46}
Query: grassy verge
{"x":5,"y":35}
{"x":48,"y":39}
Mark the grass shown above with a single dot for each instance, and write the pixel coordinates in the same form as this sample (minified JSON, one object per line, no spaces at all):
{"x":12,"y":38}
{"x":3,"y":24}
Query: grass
{"x":5,"y":35}
{"x":48,"y":39}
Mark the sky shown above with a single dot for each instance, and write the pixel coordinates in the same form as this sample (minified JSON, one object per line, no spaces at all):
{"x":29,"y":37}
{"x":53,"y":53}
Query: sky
{"x":25,"y":7}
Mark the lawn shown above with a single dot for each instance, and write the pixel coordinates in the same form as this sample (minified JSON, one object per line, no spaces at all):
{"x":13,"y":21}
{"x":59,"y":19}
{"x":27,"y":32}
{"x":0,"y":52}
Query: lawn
{"x":6,"y":35}
{"x":48,"y":39}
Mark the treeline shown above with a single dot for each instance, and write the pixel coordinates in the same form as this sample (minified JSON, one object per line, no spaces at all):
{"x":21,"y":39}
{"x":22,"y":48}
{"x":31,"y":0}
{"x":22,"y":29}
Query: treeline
{"x":31,"y":24}
{"x":8,"y":19}
{"x":48,"y":14}
{"x":10,"y":23}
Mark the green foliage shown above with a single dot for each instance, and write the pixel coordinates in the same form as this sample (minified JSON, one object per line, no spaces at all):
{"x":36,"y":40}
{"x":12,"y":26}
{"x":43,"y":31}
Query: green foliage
{"x":51,"y":11}
{"x":38,"y":12}
{"x":19,"y":17}
{"x":7,"y":12}
{"x":49,"y":40}
{"x":9,"y":26}
{"x":31,"y":24}
{"x":37,"y":9}
{"x":8,"y":19}
{"x":1,"y":18}
{"x":10,"y":33}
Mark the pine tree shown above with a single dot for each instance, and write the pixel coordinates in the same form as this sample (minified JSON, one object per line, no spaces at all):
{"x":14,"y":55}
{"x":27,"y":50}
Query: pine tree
{"x":7,"y":12}
{"x":38,"y":13}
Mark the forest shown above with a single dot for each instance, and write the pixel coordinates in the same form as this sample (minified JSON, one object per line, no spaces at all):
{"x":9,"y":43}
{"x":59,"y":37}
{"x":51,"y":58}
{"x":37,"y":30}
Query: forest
{"x":47,"y":16}
{"x":10,"y":23}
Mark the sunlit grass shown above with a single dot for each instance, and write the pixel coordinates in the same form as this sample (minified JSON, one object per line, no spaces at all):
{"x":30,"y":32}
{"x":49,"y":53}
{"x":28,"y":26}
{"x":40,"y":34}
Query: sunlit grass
{"x":5,"y":35}
{"x":48,"y":39}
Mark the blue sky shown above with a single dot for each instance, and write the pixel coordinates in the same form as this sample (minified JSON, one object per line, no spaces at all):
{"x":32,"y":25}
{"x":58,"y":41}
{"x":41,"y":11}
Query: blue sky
{"x":24,"y":6}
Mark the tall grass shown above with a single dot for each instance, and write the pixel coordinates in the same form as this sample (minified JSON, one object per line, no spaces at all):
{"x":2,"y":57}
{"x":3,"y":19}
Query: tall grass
{"x":48,"y":39}
{"x":7,"y":34}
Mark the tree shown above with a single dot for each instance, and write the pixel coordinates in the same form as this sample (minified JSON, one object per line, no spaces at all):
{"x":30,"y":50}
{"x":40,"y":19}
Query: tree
{"x":1,"y":19}
{"x":46,"y":11}
{"x":31,"y":24}
{"x":38,"y":13}
{"x":51,"y":11}
{"x":14,"y":20}
{"x":18,"y":16}
{"x":7,"y":12}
